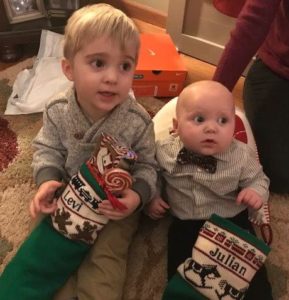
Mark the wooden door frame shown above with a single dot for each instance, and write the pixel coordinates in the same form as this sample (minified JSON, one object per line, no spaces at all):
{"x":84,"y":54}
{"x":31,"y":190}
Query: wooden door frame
{"x":191,"y":45}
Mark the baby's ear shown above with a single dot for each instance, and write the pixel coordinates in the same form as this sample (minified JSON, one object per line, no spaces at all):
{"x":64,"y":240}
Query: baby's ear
{"x":175,"y":125}
{"x":67,"y":69}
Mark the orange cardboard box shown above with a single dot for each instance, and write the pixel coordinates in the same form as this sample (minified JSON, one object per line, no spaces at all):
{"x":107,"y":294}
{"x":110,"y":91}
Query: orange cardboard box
{"x":160,"y":71}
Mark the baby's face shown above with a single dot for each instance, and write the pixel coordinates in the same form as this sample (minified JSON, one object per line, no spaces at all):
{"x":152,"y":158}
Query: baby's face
{"x":206,"y":121}
{"x":102,"y":73}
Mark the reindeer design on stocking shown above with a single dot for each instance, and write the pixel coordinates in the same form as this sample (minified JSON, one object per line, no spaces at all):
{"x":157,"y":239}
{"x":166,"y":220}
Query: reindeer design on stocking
{"x":229,"y":290}
{"x":194,"y":271}
{"x":111,"y":158}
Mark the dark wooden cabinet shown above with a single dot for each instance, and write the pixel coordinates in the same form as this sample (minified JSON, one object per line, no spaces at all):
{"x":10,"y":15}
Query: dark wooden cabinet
{"x":15,"y":38}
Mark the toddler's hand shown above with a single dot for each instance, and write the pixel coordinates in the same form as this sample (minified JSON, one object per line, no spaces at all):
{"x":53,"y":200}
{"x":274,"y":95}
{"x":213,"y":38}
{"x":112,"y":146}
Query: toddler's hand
{"x":250,"y":198}
{"x":129,"y":198}
{"x":157,"y":208}
{"x":43,"y":199}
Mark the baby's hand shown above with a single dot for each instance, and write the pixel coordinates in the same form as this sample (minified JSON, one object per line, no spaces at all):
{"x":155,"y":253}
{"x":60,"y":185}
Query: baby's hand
{"x":250,"y":198}
{"x":157,"y":208}
{"x":43,"y":199}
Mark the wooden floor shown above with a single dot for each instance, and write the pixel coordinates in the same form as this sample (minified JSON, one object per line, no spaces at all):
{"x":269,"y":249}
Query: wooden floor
{"x":197,"y":70}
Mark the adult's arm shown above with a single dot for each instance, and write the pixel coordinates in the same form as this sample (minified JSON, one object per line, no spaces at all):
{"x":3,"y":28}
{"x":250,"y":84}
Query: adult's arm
{"x":252,"y":27}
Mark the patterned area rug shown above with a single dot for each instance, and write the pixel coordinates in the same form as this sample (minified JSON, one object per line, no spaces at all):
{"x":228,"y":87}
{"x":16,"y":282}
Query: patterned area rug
{"x":147,"y":262}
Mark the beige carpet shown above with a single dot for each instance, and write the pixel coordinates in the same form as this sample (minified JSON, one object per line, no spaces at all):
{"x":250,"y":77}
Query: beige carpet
{"x":147,"y":263}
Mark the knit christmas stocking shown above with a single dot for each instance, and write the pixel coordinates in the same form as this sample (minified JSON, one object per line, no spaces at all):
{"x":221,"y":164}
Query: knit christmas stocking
{"x":224,"y":260}
{"x":261,"y":218}
{"x":46,"y":258}
{"x":102,"y":177}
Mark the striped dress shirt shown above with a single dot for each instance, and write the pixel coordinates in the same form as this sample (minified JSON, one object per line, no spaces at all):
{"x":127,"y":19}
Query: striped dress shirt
{"x":193,"y":193}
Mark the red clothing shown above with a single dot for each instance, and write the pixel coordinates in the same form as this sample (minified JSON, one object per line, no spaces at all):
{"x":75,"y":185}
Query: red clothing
{"x":229,"y":7}
{"x":263,"y":26}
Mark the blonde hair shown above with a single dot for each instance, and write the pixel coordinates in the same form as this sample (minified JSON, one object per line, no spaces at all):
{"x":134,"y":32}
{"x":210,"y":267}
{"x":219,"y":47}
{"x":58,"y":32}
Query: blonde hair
{"x":95,"y":21}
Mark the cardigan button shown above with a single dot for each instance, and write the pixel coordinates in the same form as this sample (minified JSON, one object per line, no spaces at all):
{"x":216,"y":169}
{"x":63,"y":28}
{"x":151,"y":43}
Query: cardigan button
{"x":79,"y":135}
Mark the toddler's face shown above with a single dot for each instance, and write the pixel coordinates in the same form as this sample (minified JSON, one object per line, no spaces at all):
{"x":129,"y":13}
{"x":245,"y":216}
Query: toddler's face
{"x":102,"y":74}
{"x":206,"y":121}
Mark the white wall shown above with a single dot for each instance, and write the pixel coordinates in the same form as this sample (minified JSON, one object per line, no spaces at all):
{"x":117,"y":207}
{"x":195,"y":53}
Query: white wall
{"x":161,"y":5}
